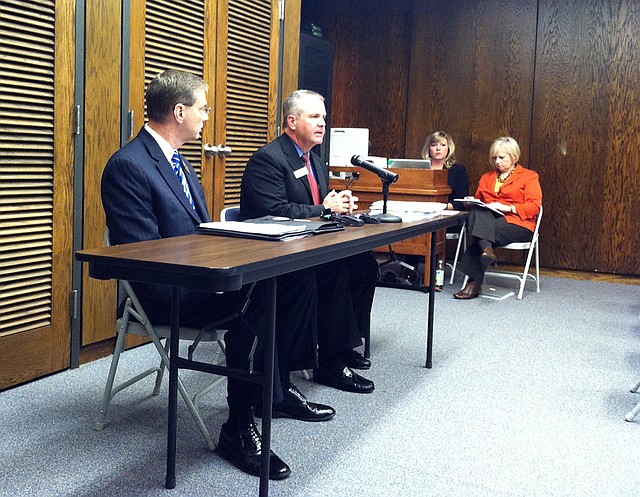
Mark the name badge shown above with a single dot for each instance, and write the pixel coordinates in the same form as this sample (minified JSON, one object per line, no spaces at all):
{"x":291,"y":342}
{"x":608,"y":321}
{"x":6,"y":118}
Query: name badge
{"x":301,"y":173}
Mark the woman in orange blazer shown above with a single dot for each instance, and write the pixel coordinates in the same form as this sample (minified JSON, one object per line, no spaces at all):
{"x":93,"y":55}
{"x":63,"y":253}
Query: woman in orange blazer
{"x":515,"y":192}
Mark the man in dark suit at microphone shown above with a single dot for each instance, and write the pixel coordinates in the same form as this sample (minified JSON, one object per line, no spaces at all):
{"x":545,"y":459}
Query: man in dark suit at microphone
{"x":284,"y":178}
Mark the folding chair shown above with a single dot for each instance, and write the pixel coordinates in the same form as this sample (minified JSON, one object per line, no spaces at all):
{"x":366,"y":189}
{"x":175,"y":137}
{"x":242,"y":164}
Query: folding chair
{"x":631,"y":415}
{"x":135,"y":321}
{"x":531,"y":248}
{"x":460,"y":237}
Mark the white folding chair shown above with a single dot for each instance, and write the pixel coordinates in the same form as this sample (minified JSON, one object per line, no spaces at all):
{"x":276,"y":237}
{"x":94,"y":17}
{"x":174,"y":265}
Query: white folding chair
{"x":134,"y":321}
{"x":631,"y":415}
{"x":531,"y":248}
{"x":460,"y":236}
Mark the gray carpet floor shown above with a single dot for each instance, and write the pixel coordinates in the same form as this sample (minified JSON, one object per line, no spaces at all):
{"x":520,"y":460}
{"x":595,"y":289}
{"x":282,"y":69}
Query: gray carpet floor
{"x":525,"y":399}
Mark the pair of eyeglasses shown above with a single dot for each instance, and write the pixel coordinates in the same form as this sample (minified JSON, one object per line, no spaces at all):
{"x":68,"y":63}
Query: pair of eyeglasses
{"x":204,"y":110}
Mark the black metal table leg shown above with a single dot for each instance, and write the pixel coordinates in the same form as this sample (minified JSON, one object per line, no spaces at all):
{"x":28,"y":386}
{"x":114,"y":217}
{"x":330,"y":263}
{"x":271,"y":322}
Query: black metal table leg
{"x":432,"y":293}
{"x":173,"y":388}
{"x":267,"y":389}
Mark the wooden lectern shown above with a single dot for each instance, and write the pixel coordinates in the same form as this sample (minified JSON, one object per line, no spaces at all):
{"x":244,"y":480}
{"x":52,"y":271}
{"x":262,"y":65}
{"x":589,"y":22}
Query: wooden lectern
{"x":413,"y":185}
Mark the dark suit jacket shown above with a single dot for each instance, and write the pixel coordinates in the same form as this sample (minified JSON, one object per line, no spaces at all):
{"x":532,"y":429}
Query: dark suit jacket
{"x":270,"y":185}
{"x":143,"y":200}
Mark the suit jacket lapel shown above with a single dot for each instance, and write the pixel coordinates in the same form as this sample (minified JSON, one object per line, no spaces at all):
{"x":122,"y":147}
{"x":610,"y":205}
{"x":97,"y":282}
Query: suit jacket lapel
{"x":166,"y":171}
{"x":196,"y":188}
{"x":295,"y":162}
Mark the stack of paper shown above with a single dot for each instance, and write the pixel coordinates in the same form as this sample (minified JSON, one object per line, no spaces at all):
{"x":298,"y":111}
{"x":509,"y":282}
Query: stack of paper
{"x":260,"y":231}
{"x":256,"y":228}
{"x":409,"y":211}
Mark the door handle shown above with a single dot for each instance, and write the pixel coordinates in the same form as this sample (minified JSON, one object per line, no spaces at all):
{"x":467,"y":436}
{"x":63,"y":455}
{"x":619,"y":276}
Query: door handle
{"x":217,"y":151}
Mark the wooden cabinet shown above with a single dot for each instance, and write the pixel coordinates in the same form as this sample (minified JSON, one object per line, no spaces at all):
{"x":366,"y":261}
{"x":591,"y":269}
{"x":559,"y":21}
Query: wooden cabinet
{"x":416,"y":185}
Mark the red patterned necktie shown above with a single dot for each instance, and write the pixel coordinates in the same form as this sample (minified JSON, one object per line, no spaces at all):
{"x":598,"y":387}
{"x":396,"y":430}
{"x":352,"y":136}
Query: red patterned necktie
{"x":315,"y":189}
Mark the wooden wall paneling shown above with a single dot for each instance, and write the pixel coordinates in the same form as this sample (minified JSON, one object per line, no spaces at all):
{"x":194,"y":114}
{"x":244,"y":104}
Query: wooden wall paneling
{"x":291,"y":52}
{"x":442,"y":80}
{"x":558,"y":76}
{"x":137,"y":85}
{"x":587,"y":133}
{"x":63,"y":255}
{"x":274,"y":66}
{"x":372,"y":45}
{"x":102,"y":139}
{"x":211,"y":181}
{"x":471,"y":74}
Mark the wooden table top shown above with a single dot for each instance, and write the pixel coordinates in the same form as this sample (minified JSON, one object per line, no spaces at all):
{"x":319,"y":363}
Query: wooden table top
{"x":218,"y":263}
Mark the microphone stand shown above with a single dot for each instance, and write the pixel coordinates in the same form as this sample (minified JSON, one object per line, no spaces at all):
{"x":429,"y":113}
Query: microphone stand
{"x":384,"y":217}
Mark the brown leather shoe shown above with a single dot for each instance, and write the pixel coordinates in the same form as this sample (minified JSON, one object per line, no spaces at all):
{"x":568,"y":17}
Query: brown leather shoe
{"x":488,"y":258}
{"x":470,"y":291}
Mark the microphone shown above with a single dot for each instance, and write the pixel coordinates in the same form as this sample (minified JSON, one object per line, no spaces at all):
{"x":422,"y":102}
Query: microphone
{"x":385,"y":175}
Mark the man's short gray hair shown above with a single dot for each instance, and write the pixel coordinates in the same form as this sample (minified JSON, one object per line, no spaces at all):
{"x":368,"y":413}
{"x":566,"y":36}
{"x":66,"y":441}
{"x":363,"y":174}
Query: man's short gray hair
{"x":292,"y":104}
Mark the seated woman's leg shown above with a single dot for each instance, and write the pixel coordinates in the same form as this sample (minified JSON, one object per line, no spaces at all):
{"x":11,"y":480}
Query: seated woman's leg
{"x":479,"y":255}
{"x":507,"y":233}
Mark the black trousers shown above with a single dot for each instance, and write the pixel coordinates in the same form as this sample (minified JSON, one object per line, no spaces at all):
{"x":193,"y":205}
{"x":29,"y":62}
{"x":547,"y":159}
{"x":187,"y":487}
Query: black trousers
{"x":345,"y":295}
{"x":295,"y":331}
{"x":483,"y":224}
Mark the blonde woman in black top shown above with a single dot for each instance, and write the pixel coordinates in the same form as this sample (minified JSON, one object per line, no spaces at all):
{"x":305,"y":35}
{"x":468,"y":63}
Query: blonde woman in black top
{"x":440,"y":149}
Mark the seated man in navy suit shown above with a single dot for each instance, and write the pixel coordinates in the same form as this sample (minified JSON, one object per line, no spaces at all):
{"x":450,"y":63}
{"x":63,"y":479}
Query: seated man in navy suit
{"x":284,"y":178}
{"x":150,"y":191}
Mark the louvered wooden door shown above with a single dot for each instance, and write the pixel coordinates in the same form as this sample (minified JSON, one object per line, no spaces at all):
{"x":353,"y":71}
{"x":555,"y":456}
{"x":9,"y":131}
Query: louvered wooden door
{"x":233,"y":45}
{"x":36,"y":187}
{"x":239,"y":61}
{"x":246,"y":86}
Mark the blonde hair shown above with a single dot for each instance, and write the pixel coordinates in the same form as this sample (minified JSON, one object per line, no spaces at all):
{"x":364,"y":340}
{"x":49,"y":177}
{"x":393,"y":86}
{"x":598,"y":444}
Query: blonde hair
{"x":506,"y":144}
{"x":435,"y":137}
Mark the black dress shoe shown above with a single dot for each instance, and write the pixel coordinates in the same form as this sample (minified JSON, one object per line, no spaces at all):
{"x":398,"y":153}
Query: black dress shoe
{"x":241,"y":444}
{"x":296,"y":406}
{"x":355,"y":360}
{"x":343,"y":379}
{"x":470,"y":291}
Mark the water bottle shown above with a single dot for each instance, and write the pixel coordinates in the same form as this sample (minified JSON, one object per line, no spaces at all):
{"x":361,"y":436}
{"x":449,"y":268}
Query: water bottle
{"x":439,"y":276}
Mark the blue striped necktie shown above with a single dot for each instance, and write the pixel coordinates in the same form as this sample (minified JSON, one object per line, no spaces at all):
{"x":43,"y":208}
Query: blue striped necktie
{"x":177,"y":168}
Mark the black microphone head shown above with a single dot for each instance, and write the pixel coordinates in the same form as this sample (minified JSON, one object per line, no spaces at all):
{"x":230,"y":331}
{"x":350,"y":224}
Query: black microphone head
{"x":356,"y":160}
